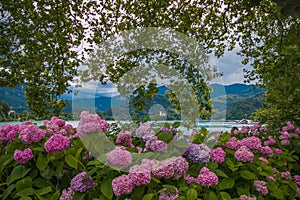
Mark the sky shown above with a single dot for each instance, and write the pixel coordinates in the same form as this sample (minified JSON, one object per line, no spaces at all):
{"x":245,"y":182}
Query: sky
{"x":229,"y":64}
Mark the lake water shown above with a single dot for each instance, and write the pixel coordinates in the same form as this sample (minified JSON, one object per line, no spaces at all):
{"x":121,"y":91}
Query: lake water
{"x":212,"y":126}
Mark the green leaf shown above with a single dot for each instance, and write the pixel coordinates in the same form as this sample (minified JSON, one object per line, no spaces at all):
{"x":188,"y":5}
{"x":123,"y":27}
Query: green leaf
{"x":25,"y":198}
{"x":226,"y":183}
{"x":176,"y":124}
{"x":220,"y":173}
{"x":180,"y":144}
{"x":55,"y":196}
{"x":17,"y":173}
{"x":248,"y":175}
{"x":24,"y":183}
{"x":45,"y":190}
{"x":78,"y":196}
{"x":225,"y":196}
{"x":106,"y":188}
{"x":191,"y":194}
{"x":41,"y":162}
{"x":212,"y":196}
{"x":138,"y":192}
{"x":242,"y":191}
{"x":170,"y":188}
{"x":148,"y":197}
{"x":71,"y":161}
{"x":8,"y":191}
{"x":277,"y":194}
{"x":26,"y":192}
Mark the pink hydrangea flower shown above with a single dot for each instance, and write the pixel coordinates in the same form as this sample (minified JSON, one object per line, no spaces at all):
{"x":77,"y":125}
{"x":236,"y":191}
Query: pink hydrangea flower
{"x":124,"y":138}
{"x":139,"y":175}
{"x":244,"y":197}
{"x":263,"y":160}
{"x":23,"y":156}
{"x":119,"y":157}
{"x":167,"y":195}
{"x":245,"y":130}
{"x":207,"y":178}
{"x":8,"y":132}
{"x":277,"y":151}
{"x":271,"y":178}
{"x":155,"y":144}
{"x":285,"y":142}
{"x":286,"y":175}
{"x":57,"y":143}
{"x":144,"y":130}
{"x":244,"y":154}
{"x":261,"y":187}
{"x":163,"y":169}
{"x":90,"y":123}
{"x":67,"y":194}
{"x":80,"y":184}
{"x":297,"y":179}
{"x":233,"y":143}
{"x":266,"y":151}
{"x":180,"y":166}
{"x":218,"y":155}
{"x":148,"y":164}
{"x":189,"y":179}
{"x":270,"y":141}
{"x":122,"y":185}
{"x":252,"y":142}
{"x":30,"y":133}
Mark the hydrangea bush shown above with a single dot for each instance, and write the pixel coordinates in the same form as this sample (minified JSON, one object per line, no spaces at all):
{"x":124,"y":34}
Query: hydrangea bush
{"x":51,"y":162}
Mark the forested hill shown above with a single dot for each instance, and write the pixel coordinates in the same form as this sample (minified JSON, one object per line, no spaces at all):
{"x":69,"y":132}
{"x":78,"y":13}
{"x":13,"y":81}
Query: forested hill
{"x":237,"y":100}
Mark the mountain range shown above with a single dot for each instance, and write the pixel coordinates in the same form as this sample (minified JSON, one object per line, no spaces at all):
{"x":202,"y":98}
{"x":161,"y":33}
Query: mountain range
{"x":234,"y":101}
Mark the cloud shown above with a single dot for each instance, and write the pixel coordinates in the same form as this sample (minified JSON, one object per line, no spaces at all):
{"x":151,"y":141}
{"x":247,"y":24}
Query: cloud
{"x":230,"y":64}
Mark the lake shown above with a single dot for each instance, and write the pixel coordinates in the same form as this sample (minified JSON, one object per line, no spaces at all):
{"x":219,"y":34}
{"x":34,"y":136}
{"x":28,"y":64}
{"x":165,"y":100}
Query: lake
{"x":212,"y":126}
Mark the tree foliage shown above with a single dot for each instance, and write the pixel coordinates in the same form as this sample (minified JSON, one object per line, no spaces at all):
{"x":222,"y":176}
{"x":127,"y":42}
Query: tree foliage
{"x":39,"y":40}
{"x":38,"y":48}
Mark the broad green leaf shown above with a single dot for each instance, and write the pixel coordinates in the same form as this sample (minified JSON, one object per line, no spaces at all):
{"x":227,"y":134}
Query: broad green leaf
{"x":17,"y":173}
{"x":220,"y":173}
{"x":277,"y":194}
{"x":24,"y":183}
{"x":248,"y":175}
{"x":138,"y":192}
{"x":242,"y":191}
{"x":71,"y":161}
{"x":78,"y":196}
{"x":41,"y":162}
{"x":191,"y":194}
{"x":55,"y":196}
{"x":8,"y":191}
{"x":45,"y":190}
{"x":225,"y":196}
{"x":170,"y":188}
{"x":26,"y":192}
{"x":148,"y":197}
{"x":106,"y":188}
{"x":226,"y":183}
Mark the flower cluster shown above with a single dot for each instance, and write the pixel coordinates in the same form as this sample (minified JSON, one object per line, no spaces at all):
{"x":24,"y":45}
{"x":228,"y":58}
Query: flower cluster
{"x":233,"y":143}
{"x":144,"y":130}
{"x":252,"y":142}
{"x":23,"y":156}
{"x":119,"y":157}
{"x":124,"y":138}
{"x":57,"y":143}
{"x":207,"y":178}
{"x":297,"y":179}
{"x":122,"y":185}
{"x":67,"y":194}
{"x":90,"y":123}
{"x":139,"y":175}
{"x":58,"y":126}
{"x":30,"y":133}
{"x":218,"y":155}
{"x":80,"y":184}
{"x":244,"y":154}
{"x":261,"y":187}
{"x":167,"y":195}
{"x":8,"y":133}
{"x":198,"y":153}
{"x":244,"y":197}
{"x":154,"y":144}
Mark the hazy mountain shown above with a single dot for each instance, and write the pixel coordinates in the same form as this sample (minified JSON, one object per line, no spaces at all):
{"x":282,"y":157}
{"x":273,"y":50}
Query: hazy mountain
{"x":227,"y":98}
